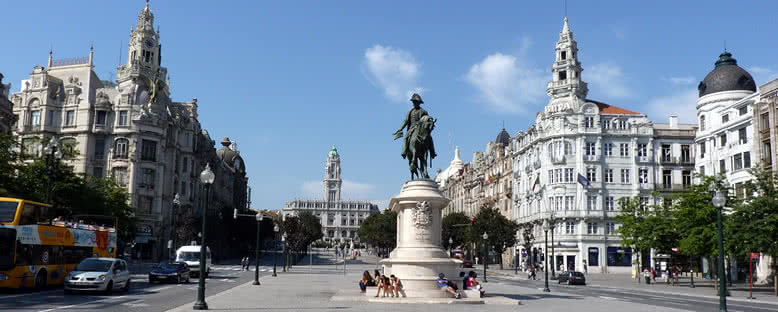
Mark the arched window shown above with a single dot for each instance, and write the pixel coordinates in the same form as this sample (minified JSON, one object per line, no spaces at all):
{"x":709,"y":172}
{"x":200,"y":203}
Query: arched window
{"x":330,"y":233}
{"x":69,"y":147}
{"x":343,"y":234}
{"x":121,"y":148}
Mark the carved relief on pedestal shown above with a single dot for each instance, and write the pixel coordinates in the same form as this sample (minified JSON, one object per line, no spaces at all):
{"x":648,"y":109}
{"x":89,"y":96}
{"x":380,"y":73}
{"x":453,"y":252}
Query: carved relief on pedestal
{"x":422,"y":215}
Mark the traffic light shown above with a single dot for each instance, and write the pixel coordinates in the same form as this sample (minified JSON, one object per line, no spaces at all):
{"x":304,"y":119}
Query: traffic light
{"x":235,"y":213}
{"x":472,"y":220}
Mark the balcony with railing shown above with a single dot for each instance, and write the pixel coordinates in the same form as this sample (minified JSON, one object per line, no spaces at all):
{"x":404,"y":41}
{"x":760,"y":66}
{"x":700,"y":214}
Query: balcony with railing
{"x":642,"y":159}
{"x":558,"y":160}
{"x":668,"y":160}
{"x":674,"y":187}
{"x":592,"y":158}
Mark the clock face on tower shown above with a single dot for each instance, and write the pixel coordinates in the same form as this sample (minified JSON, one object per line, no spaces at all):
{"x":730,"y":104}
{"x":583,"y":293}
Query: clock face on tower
{"x":149,"y":43}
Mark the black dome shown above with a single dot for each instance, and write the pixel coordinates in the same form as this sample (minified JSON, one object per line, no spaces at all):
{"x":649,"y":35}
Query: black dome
{"x":726,"y":76}
{"x":503,"y":137}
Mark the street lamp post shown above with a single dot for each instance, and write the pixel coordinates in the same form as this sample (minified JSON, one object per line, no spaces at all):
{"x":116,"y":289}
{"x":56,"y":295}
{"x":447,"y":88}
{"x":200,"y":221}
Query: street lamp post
{"x":176,"y":204}
{"x":553,"y":257}
{"x":53,"y":155}
{"x":450,"y":246}
{"x":283,"y":243}
{"x":719,"y":200}
{"x":206,"y":177}
{"x":546,"y":226}
{"x":256,"y":263}
{"x":485,"y":256}
{"x":275,"y":246}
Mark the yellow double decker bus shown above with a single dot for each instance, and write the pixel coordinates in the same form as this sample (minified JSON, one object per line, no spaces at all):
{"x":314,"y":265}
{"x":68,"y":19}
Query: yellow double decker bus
{"x":37,"y":249}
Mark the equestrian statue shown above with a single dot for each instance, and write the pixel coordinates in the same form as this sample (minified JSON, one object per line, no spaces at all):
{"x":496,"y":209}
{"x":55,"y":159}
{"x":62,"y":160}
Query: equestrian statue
{"x":418,"y":146}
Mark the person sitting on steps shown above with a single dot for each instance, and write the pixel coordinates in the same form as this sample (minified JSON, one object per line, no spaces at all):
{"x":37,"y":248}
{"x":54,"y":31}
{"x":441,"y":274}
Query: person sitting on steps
{"x":365,"y":281}
{"x":385,"y":285}
{"x":473,"y":283}
{"x":447,"y":286}
{"x":397,"y":285}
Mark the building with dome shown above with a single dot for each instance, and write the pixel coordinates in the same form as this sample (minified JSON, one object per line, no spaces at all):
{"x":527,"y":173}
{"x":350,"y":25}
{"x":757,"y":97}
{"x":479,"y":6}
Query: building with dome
{"x":129,"y":130}
{"x":340,"y":219}
{"x":575,"y":162}
{"x":725,"y":138}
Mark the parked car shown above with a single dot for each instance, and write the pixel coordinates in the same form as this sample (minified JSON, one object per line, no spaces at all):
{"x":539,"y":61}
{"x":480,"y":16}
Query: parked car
{"x":191,"y":256}
{"x":177,"y":272}
{"x":467,"y":264}
{"x":571,"y":278}
{"x":98,"y":274}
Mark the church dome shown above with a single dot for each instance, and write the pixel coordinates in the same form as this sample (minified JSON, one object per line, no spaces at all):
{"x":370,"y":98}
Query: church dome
{"x":503,"y":137}
{"x":726,"y":76}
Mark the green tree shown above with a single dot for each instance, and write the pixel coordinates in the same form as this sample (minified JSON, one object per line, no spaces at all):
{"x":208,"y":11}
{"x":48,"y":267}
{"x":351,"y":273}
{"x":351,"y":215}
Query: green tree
{"x":646,"y":227}
{"x":455,"y":226}
{"x":695,"y":218}
{"x":501,"y":231}
{"x":380,"y":230}
{"x":753,"y":224}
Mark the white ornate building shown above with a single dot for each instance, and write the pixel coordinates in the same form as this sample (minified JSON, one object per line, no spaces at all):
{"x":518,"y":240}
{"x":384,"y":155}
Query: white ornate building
{"x":129,"y":130}
{"x":340,"y":219}
{"x":620,"y":152}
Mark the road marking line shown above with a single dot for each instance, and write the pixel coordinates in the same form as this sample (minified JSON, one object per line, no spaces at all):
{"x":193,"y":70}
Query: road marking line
{"x":22,"y":295}
{"x":83,"y":303}
{"x":161,"y":288}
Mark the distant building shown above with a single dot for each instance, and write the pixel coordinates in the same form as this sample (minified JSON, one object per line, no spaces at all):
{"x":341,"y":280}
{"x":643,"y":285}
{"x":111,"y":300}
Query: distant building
{"x":340,"y":219}
{"x":7,"y":119}
{"x":766,"y":126}
{"x":725,"y":138}
{"x":578,"y":159}
{"x":132,"y":132}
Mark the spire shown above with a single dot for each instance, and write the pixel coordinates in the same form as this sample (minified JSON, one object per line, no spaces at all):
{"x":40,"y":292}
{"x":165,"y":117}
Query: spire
{"x":51,"y":57}
{"x":91,"y":54}
{"x":457,"y":157}
{"x":566,"y":28}
{"x":147,"y":5}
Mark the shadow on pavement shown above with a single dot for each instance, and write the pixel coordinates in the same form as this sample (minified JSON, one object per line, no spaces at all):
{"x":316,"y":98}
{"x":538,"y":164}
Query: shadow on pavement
{"x":533,"y":297}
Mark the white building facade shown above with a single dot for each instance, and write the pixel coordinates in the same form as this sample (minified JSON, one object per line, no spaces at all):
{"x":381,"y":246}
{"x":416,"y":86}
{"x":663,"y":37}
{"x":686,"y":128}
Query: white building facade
{"x":340,"y":219}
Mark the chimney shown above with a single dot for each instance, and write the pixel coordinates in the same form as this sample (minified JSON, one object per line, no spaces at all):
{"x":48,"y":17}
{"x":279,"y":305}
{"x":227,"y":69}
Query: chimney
{"x":674,"y":121}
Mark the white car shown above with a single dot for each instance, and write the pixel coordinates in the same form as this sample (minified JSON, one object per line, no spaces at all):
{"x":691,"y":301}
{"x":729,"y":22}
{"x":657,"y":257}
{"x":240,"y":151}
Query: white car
{"x":191,"y":256}
{"x":98,"y":274}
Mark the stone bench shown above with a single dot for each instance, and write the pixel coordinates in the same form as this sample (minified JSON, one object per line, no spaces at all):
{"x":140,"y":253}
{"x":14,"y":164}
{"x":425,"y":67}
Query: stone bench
{"x":469,"y":293}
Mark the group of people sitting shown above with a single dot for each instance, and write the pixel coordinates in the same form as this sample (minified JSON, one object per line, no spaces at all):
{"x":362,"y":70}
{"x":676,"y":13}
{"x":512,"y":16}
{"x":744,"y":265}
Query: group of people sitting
{"x":468,"y":282}
{"x":391,"y":286}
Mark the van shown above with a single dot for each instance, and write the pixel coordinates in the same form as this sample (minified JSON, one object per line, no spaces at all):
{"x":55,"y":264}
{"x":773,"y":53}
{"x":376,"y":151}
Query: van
{"x":191,"y":256}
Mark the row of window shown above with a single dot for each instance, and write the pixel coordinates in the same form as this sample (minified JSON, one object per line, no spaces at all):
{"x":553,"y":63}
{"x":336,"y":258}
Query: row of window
{"x":725,"y":117}
{"x":567,"y":202}
{"x":570,"y":227}
{"x":617,"y":124}
{"x":722,"y":140}
{"x":34,"y":119}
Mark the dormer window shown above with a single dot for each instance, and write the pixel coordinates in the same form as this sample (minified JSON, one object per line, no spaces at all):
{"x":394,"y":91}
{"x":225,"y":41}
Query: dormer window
{"x":563,"y":75}
{"x":564,"y":55}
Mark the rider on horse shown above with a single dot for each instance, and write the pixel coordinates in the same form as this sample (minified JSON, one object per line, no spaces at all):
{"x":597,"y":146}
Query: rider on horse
{"x":414,"y":134}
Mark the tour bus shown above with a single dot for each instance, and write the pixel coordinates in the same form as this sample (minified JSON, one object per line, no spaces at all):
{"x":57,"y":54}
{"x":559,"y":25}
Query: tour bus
{"x":38,"y":250}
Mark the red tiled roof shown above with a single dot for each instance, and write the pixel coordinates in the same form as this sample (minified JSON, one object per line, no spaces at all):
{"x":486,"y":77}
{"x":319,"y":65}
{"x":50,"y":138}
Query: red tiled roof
{"x":608,"y":109}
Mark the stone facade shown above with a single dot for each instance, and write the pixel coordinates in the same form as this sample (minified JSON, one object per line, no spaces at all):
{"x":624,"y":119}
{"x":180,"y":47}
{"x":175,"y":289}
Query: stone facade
{"x":620,"y":153}
{"x":130,"y":130}
{"x":340,"y":219}
{"x":7,"y":119}
{"x":766,"y":125}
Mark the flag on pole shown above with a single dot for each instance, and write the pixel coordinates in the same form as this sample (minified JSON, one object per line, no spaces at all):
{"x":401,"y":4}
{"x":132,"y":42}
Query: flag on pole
{"x":536,"y":185}
{"x":584,"y":181}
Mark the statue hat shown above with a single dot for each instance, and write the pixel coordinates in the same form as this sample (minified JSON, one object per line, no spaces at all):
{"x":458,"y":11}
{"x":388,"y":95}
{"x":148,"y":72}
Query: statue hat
{"x":416,"y":97}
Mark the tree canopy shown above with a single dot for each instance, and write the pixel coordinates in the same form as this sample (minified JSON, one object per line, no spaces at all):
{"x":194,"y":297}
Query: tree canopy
{"x":458,"y":233}
{"x":500,"y":230}
{"x":380,"y":230}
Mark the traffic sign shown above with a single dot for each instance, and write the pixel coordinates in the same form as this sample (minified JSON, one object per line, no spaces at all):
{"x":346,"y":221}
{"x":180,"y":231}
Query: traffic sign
{"x":754,"y":255}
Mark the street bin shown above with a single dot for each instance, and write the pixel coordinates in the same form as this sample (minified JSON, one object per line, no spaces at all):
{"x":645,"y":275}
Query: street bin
{"x":648,"y":279}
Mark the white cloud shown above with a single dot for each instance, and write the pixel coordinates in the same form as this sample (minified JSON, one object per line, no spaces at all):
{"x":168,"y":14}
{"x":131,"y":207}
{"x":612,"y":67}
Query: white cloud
{"x":506,"y":83}
{"x":682,"y":80}
{"x":762,"y":75}
{"x":350,"y":190}
{"x":608,"y":79}
{"x":682,"y":103}
{"x":393,"y":70}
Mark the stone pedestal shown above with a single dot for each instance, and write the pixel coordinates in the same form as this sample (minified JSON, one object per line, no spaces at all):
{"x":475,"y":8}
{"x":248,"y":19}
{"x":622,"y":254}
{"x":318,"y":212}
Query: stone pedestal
{"x":419,"y":257}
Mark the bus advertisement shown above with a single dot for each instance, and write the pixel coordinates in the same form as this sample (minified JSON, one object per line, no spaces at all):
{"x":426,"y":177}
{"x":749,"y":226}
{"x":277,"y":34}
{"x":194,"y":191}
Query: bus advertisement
{"x":37,"y":250}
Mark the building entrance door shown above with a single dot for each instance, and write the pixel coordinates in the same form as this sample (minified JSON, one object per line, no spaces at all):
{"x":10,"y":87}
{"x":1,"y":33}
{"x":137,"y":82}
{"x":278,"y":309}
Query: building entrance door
{"x":571,"y":263}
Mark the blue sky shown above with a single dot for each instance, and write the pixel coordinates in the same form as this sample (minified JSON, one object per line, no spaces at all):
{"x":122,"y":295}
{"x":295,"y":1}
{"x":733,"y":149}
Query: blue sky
{"x":288,"y":79}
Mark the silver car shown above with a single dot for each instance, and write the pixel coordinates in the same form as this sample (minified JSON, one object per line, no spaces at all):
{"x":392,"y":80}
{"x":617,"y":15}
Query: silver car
{"x":98,"y":274}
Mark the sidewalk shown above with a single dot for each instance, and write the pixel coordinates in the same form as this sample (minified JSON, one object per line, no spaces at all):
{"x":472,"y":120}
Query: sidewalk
{"x":704,"y":288}
{"x":313,"y":289}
